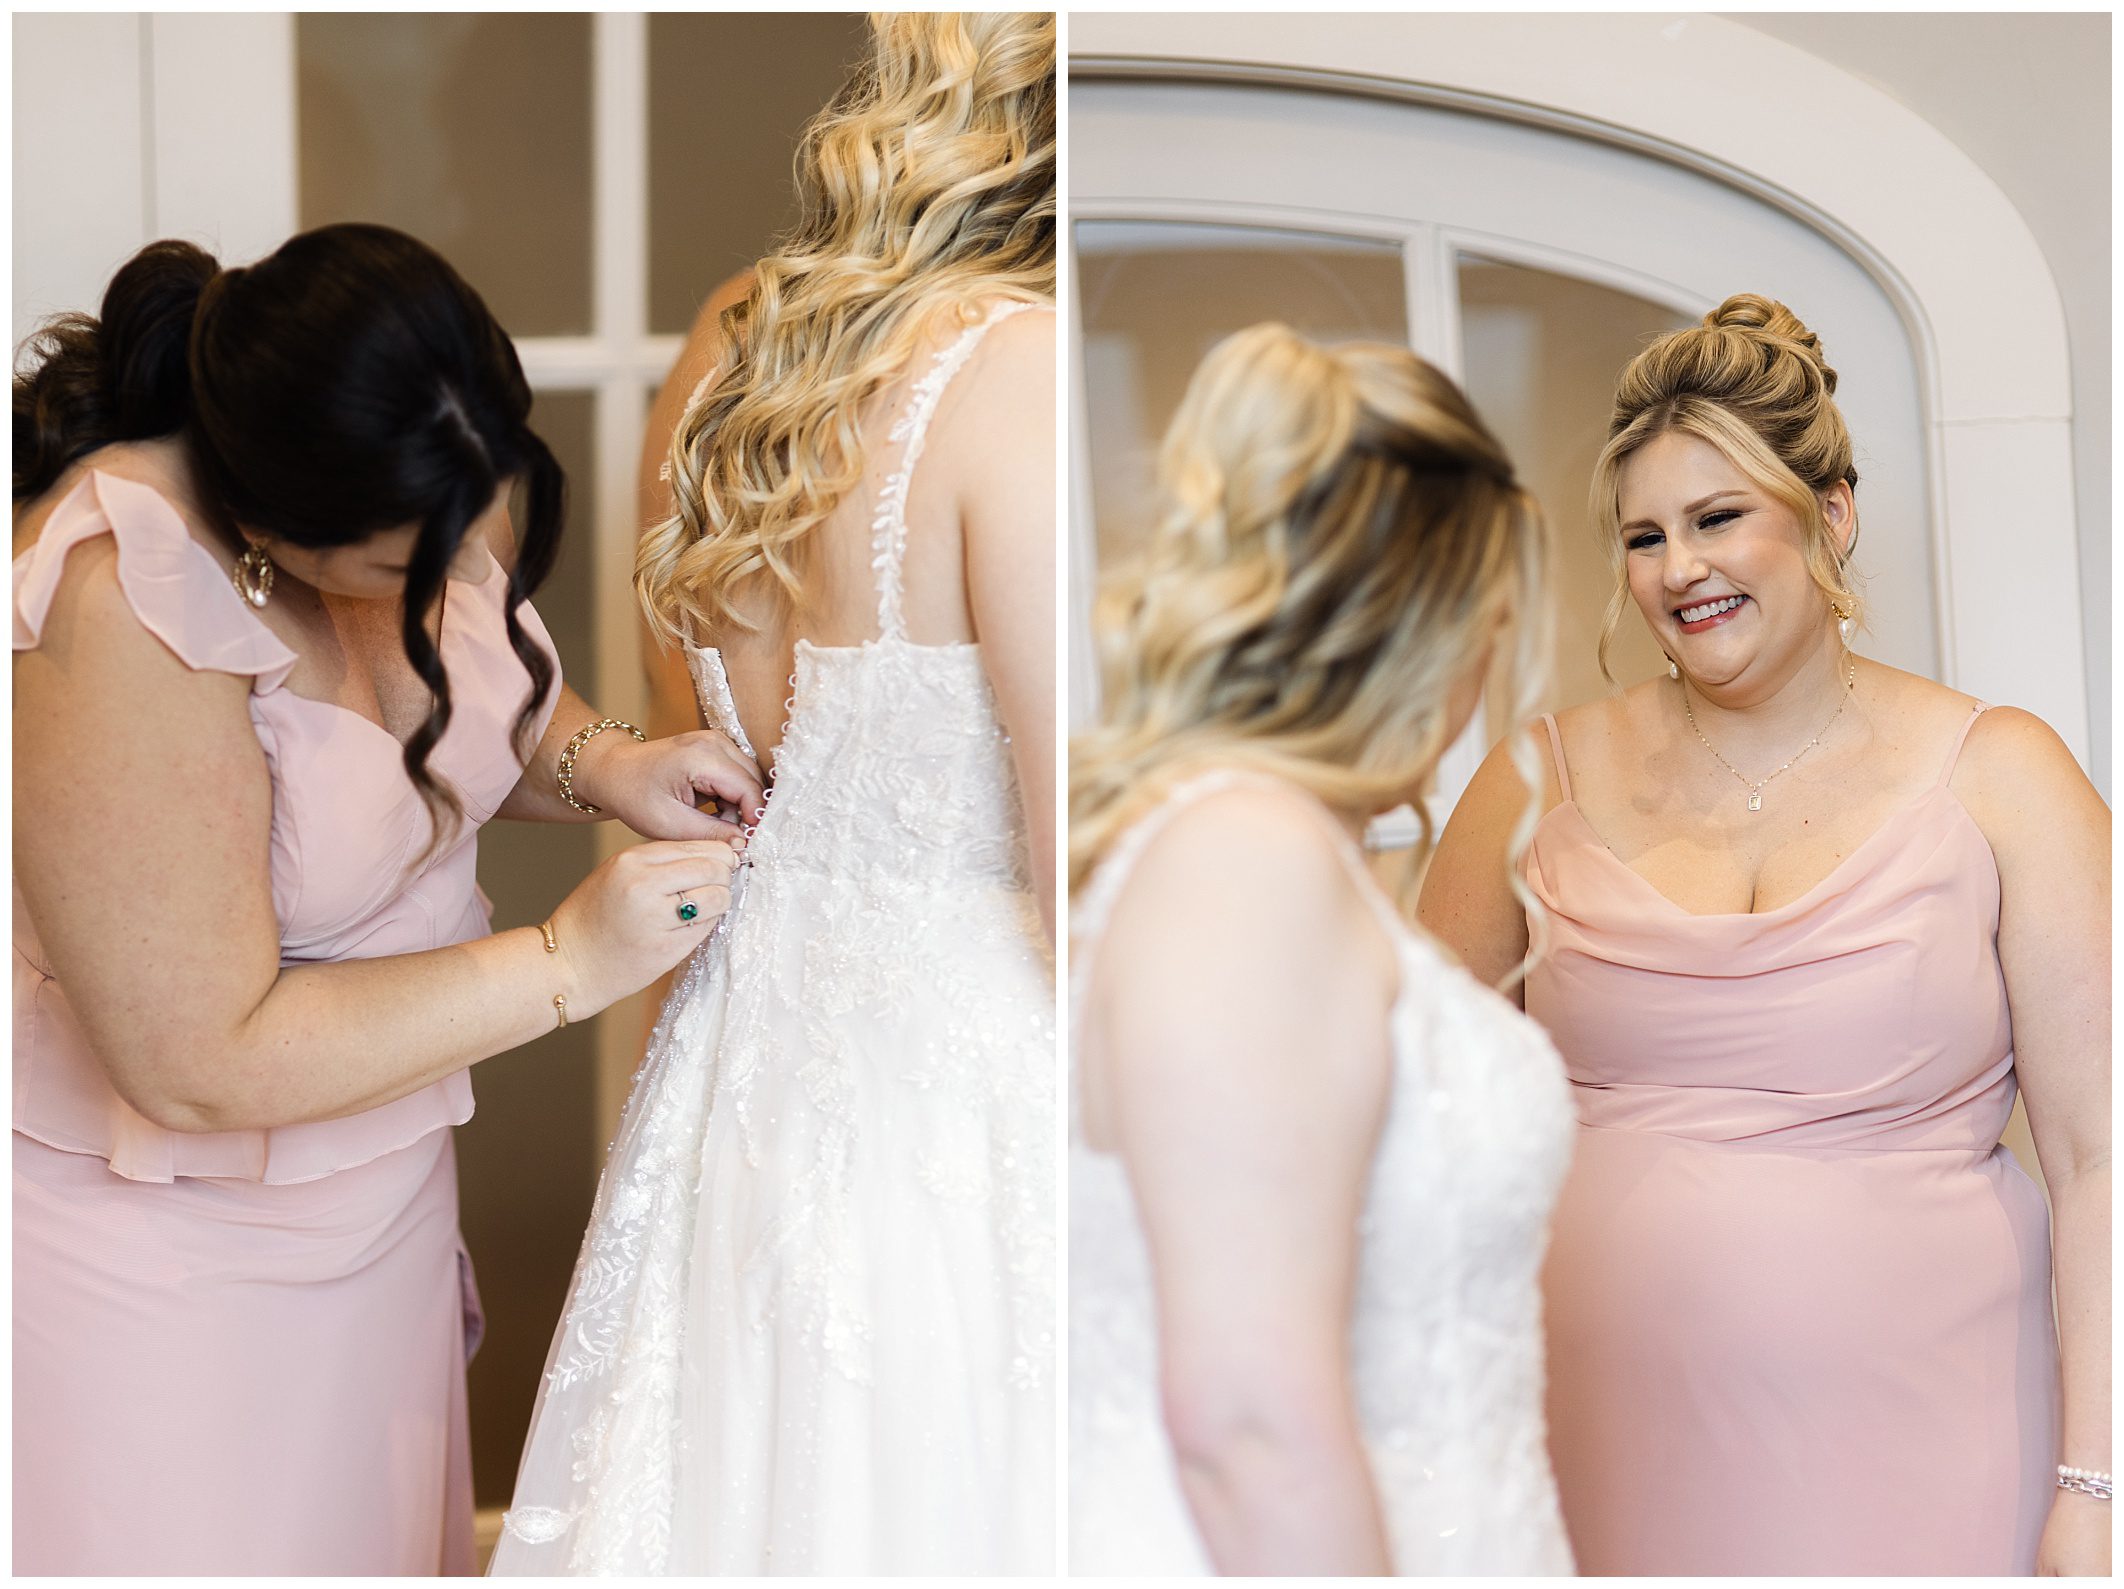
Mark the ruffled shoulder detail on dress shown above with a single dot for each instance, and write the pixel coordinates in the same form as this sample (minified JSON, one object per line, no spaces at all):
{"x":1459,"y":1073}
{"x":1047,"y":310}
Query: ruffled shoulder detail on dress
{"x":172,"y":583}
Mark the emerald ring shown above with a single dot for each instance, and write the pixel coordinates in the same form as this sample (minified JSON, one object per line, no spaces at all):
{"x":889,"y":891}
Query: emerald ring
{"x":687,"y":909}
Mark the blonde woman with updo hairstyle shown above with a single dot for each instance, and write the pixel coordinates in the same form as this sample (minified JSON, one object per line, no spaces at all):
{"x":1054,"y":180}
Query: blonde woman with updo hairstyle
{"x":812,"y":1327}
{"x":1312,"y":1160}
{"x":1812,"y":922}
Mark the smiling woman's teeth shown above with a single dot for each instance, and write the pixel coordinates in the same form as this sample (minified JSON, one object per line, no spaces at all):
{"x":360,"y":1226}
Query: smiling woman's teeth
{"x":1710,"y":609}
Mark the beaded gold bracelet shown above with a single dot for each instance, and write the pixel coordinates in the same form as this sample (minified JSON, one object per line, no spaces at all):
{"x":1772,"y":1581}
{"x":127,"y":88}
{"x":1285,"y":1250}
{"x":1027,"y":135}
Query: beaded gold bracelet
{"x":582,"y":737}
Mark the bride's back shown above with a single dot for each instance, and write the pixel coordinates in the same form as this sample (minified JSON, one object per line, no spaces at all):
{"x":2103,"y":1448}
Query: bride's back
{"x":877,"y":546}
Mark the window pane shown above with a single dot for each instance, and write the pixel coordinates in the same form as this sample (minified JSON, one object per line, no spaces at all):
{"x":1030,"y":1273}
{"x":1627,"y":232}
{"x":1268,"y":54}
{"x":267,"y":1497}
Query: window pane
{"x":528,"y":1159}
{"x":472,"y":132}
{"x":1156,"y":297}
{"x":728,"y":94}
{"x":1542,"y":352}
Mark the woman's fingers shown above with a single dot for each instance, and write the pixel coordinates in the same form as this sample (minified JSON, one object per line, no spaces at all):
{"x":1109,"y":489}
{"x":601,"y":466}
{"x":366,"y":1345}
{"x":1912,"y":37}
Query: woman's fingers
{"x":676,"y":852}
{"x":682,"y":880}
{"x":691,"y":824}
{"x":716,"y":767}
{"x":686,"y":866}
{"x":673,"y":873}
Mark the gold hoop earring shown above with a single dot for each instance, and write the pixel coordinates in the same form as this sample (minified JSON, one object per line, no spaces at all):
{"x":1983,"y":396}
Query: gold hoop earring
{"x":253,"y":575}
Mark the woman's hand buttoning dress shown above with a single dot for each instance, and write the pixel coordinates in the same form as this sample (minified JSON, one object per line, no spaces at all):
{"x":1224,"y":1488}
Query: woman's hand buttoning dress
{"x":245,"y":1009}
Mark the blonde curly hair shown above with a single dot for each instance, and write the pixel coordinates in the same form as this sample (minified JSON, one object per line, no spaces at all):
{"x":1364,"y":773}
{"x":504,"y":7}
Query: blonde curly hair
{"x":1752,"y":381}
{"x":1342,"y":537}
{"x":927,"y":190}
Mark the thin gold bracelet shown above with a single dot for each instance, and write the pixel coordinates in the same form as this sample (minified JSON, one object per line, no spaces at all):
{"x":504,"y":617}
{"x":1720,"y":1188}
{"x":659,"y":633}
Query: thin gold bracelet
{"x":560,"y":1001}
{"x":565,"y":772}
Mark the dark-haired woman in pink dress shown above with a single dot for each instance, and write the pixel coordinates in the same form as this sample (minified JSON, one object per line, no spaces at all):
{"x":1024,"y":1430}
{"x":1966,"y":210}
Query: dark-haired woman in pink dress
{"x":1811,"y":924}
{"x":271,"y":676}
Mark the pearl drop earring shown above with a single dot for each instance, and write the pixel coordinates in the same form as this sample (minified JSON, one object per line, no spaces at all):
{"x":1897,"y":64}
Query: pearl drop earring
{"x":1673,"y":669}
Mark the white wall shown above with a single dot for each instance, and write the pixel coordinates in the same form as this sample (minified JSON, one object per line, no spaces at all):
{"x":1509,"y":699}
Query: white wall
{"x":129,"y":128}
{"x":2027,"y":98}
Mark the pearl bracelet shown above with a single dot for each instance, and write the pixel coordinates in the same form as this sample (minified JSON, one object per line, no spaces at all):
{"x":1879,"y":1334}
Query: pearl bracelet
{"x":2085,"y":1481}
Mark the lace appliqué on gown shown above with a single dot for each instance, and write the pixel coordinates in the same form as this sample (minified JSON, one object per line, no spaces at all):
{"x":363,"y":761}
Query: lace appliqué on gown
{"x":812,"y":1325}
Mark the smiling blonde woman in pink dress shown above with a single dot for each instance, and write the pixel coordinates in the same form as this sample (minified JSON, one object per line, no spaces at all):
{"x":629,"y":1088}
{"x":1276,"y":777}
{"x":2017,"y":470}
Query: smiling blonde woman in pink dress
{"x":1812,"y":922}
{"x":251,"y":962}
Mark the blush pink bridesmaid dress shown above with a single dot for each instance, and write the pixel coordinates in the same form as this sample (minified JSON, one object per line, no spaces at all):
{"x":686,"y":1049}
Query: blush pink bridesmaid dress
{"x":1798,"y":1295}
{"x":244,"y":1352}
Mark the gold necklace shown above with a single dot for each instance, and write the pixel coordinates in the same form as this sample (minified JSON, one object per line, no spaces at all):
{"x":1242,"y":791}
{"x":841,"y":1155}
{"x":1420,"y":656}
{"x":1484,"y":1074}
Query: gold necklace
{"x":1755,"y":789}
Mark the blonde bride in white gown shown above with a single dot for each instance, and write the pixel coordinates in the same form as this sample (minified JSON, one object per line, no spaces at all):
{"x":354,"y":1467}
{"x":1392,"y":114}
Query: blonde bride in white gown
{"x":1312,"y":1160}
{"x":812,"y":1326}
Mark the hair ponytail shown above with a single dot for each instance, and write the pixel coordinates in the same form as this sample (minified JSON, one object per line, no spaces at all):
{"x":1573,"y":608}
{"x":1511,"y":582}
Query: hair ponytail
{"x":1341,"y":539}
{"x":124,"y":374}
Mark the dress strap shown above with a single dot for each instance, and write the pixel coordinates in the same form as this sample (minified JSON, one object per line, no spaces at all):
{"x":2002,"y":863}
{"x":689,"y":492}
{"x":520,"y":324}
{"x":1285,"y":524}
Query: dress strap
{"x":1563,"y":773}
{"x":693,"y":401}
{"x":888,"y":536}
{"x":1954,"y":752}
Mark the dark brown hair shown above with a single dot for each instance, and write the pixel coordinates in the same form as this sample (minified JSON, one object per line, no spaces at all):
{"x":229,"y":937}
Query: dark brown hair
{"x":348,"y":383}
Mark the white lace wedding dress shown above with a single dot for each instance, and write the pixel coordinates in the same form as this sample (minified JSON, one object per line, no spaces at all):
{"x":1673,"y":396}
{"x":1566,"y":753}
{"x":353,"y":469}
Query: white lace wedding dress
{"x":812,"y":1326}
{"x":1446,"y":1343}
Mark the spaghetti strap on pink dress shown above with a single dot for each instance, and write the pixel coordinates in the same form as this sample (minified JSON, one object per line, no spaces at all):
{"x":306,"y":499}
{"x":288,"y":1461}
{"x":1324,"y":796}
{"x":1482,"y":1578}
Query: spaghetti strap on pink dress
{"x":1798,"y":1295}
{"x":243,"y":1352}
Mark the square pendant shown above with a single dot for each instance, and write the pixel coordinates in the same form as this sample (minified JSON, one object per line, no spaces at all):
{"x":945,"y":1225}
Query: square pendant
{"x":1755,"y":800}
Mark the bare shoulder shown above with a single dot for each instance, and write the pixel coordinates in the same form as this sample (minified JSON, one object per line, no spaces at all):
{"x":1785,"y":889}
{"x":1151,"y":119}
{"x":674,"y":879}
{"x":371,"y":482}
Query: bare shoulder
{"x":1242,"y":883}
{"x":1611,"y":725}
{"x":1497,"y":794}
{"x":1029,"y":332}
{"x":1241,"y":978}
{"x":704,"y":341}
{"x":1592,"y":733}
{"x":2015,"y":764}
{"x":2035,"y":806}
{"x":1014,"y":366}
{"x":1914,"y":706}
{"x":993,"y":436}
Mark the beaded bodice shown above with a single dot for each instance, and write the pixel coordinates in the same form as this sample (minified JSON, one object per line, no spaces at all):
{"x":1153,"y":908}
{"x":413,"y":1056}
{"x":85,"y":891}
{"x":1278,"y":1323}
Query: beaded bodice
{"x":892,"y":766}
{"x":893,"y":769}
{"x":1445,"y":1325}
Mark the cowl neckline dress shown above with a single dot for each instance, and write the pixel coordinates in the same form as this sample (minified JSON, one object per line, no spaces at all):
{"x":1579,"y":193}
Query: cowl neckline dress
{"x":1798,"y":1292}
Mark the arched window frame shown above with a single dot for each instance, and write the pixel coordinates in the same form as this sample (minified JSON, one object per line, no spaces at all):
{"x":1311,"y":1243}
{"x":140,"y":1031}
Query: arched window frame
{"x":1960,"y":265}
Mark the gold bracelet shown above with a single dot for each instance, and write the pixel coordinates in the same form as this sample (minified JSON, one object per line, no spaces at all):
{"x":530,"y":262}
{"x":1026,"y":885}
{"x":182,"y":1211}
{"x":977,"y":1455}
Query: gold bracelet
{"x":582,"y":737}
{"x":560,"y":1000}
